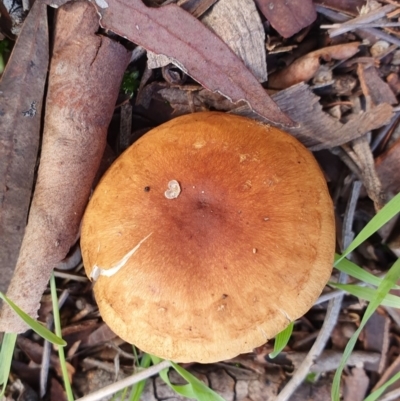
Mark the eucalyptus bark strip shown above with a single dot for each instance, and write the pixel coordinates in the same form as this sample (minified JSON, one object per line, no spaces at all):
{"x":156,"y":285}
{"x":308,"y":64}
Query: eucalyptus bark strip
{"x":21,"y":97}
{"x":85,"y":74}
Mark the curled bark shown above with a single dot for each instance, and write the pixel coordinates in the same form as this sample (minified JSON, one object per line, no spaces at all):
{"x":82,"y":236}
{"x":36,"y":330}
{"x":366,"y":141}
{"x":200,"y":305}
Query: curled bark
{"x":85,"y":74}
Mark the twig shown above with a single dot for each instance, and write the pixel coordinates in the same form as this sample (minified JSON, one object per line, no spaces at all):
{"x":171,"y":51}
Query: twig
{"x":337,"y":17}
{"x":300,"y":374}
{"x":128,"y":381}
{"x":362,"y":19}
{"x":337,"y":293}
{"x":70,"y":276}
{"x":383,"y":132}
{"x":357,"y":26}
{"x":332,"y":312}
{"x":391,"y":396}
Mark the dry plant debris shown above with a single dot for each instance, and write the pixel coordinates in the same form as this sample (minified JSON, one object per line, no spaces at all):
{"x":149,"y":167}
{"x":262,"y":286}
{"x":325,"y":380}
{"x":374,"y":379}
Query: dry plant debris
{"x":193,"y":48}
{"x":74,"y":139}
{"x":21,"y":93}
{"x":339,"y":86}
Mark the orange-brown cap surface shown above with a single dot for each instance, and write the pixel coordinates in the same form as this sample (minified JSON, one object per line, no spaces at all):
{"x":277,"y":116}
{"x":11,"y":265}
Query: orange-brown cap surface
{"x":207,"y":237}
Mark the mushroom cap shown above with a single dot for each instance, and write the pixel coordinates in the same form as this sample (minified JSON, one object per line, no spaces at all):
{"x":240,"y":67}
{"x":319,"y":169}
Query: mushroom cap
{"x":245,"y":248}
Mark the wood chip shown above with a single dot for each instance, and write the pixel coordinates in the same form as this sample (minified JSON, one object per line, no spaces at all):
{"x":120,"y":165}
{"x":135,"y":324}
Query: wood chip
{"x":288,"y":17}
{"x":239,"y":25}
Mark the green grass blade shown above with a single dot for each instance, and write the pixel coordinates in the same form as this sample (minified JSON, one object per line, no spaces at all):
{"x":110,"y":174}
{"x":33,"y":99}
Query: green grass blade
{"x":57,"y":326}
{"x":34,"y":324}
{"x":386,"y":285}
{"x":138,"y":388}
{"x":195,"y":388}
{"x":378,"y":392}
{"x":368,"y":294}
{"x":6,"y":355}
{"x":353,"y":270}
{"x":385,"y":214}
{"x":281,"y":340}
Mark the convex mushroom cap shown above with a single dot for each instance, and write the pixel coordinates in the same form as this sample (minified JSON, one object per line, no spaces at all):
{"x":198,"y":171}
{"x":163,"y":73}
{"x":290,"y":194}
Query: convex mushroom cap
{"x":208,"y":236}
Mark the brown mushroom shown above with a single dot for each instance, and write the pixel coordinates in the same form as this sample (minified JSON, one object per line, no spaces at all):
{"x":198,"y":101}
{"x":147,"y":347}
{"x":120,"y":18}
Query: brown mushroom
{"x":208,"y":236}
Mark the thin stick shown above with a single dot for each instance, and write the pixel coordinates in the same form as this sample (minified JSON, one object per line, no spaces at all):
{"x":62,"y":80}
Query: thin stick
{"x":332,"y":313}
{"x":128,"y":381}
{"x":362,"y":19}
{"x":337,"y":17}
{"x":391,"y":396}
{"x":357,"y":26}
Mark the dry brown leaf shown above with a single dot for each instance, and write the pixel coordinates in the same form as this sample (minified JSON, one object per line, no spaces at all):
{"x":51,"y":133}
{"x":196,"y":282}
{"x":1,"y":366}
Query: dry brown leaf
{"x":21,"y":97}
{"x":318,"y":130}
{"x":388,"y":169}
{"x":288,"y":17}
{"x":171,"y":31}
{"x":238,"y":24}
{"x":355,"y":385}
{"x":85,"y":74}
{"x":304,"y":68}
{"x":373,"y":85}
{"x":196,"y":7}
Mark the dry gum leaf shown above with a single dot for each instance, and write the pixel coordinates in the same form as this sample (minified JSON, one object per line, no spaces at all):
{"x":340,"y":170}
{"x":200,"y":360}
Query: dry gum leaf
{"x":196,"y":7}
{"x":74,"y":138}
{"x":238,"y":24}
{"x":21,"y":97}
{"x":288,"y":17}
{"x":388,"y":169}
{"x":194,"y":48}
{"x":304,"y":68}
{"x":373,"y":85}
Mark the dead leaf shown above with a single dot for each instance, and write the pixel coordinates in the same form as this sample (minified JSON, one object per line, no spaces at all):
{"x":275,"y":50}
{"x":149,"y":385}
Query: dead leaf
{"x":376,"y":338}
{"x":304,"y":68}
{"x":373,"y":85}
{"x":21,"y":97}
{"x":355,"y":385}
{"x":85,"y":75}
{"x":34,"y":351}
{"x":196,"y":7}
{"x":194,"y":49}
{"x":388,"y":169}
{"x":288,"y":17}
{"x":239,"y":25}
{"x":316,"y":129}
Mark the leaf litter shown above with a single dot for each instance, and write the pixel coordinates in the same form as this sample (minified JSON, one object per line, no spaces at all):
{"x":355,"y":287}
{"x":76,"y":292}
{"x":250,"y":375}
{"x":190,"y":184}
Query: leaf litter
{"x":337,"y":104}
